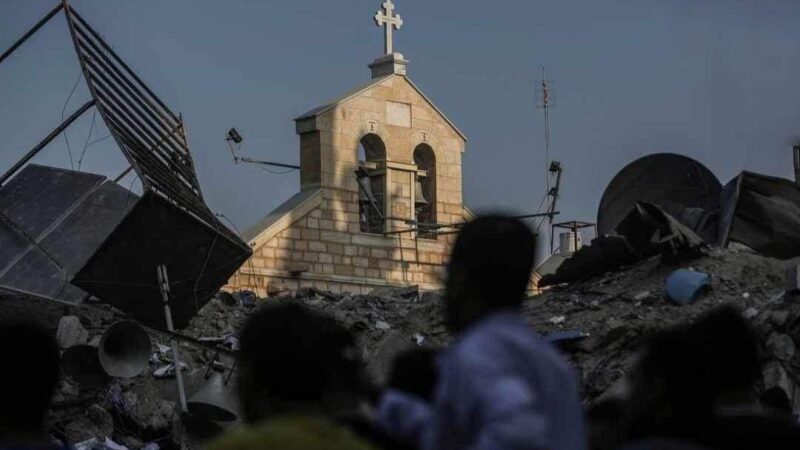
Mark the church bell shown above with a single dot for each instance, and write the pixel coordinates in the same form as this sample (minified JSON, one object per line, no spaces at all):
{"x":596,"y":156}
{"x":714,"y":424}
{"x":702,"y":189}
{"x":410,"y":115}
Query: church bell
{"x":419,"y":195}
{"x":364,"y":190}
{"x":212,"y":401}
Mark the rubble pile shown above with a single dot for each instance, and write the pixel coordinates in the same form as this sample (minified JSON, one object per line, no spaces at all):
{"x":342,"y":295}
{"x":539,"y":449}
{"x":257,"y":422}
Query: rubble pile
{"x":599,"y":323}
{"x":609,"y":315}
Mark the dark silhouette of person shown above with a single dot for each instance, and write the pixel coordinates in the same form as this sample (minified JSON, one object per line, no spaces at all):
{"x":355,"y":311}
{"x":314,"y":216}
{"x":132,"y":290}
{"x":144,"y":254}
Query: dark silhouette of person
{"x":500,"y":385}
{"x":27,"y":382}
{"x":298,"y":370}
{"x":696,"y":383}
{"x":405,"y":406}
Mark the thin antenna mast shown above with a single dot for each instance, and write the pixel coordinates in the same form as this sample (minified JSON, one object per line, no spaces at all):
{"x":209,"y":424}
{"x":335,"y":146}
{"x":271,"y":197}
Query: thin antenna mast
{"x":552,"y":168}
{"x":545,"y":105}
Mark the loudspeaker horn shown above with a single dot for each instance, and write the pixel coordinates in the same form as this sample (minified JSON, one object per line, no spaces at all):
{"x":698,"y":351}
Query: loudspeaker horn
{"x":211,"y":401}
{"x":124,"y":350}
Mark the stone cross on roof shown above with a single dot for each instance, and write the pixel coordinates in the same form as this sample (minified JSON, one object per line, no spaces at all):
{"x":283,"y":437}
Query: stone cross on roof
{"x":389,"y":21}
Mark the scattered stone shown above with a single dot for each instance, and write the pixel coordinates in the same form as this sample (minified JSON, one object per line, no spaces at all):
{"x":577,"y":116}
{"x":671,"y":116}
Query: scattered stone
{"x":781,"y":346}
{"x":431,"y":297}
{"x":227,"y":298}
{"x":779,"y":318}
{"x":305,"y":293}
{"x":95,"y":423}
{"x":642,"y":296}
{"x":746,"y":295}
{"x":408,"y":293}
{"x":381,"y":325}
{"x":750,"y":313}
{"x":70,"y":332}
{"x":775,"y":377}
{"x":146,"y":409}
{"x":557,"y":320}
{"x":95,"y":341}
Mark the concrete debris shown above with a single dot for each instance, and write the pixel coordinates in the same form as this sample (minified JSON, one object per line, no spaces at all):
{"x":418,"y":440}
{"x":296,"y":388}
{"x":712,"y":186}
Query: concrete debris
{"x":227,"y":298}
{"x":167,"y":371}
{"x":94,"y":423}
{"x":70,"y":332}
{"x":776,"y":377}
{"x":557,"y":320}
{"x":781,"y":346}
{"x":148,"y":411}
{"x":750,"y":313}
{"x":408,"y":293}
{"x":615,"y":310}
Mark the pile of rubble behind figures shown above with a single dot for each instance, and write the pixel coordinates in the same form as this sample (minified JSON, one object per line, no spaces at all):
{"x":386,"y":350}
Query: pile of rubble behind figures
{"x":603,"y":319}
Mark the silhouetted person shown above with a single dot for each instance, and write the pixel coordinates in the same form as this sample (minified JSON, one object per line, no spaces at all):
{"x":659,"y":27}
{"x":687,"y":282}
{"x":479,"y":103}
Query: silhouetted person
{"x":696,"y":384}
{"x":298,"y":370}
{"x":670,"y":402}
{"x":500,"y":386}
{"x":405,"y":407}
{"x":415,"y":372}
{"x":27,"y":381}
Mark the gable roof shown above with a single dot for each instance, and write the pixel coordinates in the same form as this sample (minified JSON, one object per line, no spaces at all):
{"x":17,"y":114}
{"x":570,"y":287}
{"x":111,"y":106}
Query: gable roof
{"x":281,"y":217}
{"x":314,"y":112}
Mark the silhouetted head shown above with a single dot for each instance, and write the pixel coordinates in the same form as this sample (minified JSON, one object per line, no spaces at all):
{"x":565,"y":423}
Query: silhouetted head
{"x":415,"y":372}
{"x":293,"y":360}
{"x":489,"y":269}
{"x":28,"y":377}
{"x":670,"y":392}
{"x":687,"y":372}
{"x":730,"y":349}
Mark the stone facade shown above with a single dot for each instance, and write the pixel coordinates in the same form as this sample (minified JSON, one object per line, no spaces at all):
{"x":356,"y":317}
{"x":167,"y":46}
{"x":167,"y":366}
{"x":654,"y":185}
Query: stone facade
{"x":317,"y":238}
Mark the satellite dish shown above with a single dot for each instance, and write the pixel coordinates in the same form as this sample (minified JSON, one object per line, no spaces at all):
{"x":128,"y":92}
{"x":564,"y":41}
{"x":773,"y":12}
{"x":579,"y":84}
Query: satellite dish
{"x":679,"y":185}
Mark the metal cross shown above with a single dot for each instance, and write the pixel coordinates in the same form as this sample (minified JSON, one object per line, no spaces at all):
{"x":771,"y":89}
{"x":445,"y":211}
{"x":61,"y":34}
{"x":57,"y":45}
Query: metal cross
{"x":389,"y":21}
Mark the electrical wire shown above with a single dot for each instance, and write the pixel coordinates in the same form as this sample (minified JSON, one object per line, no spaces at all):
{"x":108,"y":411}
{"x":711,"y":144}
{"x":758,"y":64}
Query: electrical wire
{"x":88,"y":136}
{"x":275,"y":172}
{"x":63,"y":112}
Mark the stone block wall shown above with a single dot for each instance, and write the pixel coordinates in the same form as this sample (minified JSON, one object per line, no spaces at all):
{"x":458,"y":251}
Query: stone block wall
{"x":326,"y":250}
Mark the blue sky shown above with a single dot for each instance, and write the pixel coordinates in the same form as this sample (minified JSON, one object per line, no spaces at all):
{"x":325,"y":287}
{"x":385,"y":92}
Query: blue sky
{"x":716,"y":80}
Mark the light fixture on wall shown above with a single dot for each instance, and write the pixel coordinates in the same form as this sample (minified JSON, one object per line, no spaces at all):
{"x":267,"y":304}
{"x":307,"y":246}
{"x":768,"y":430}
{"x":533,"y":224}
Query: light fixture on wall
{"x":234,"y":138}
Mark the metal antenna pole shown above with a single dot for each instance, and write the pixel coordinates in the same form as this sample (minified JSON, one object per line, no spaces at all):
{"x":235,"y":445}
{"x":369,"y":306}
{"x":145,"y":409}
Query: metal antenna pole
{"x":163,"y":284}
{"x":546,"y":107}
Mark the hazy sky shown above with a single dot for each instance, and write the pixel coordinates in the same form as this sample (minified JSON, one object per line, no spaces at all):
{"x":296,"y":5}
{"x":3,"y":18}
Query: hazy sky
{"x":716,"y":80}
